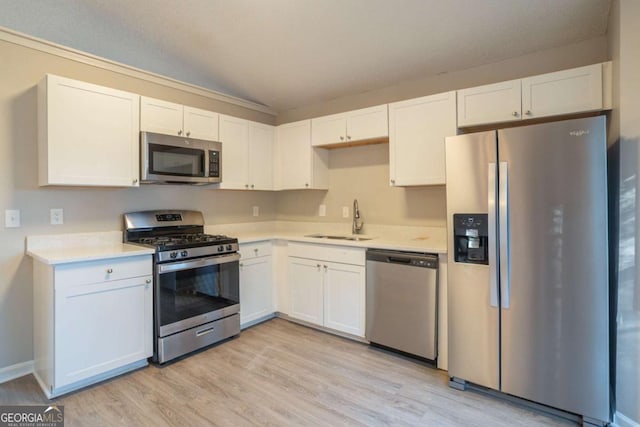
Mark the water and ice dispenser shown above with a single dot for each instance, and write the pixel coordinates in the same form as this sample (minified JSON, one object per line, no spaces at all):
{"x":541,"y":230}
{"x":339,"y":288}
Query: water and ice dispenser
{"x":471,"y":238}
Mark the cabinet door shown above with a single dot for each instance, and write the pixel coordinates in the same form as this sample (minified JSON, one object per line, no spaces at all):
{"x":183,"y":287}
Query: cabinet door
{"x":493,"y":103}
{"x":368,"y":123}
{"x":256,"y":289}
{"x":294,"y":155}
{"x":261,"y":147}
{"x":344,"y":298}
{"x":201,"y":124}
{"x":417,"y":130}
{"x":161,"y":116}
{"x":87,"y":134}
{"x":563,"y":92}
{"x":234,"y":135}
{"x":101,"y":327}
{"x":328,"y":130}
{"x":305,"y":284}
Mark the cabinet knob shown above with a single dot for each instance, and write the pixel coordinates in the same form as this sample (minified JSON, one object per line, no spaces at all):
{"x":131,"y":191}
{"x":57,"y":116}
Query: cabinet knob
{"x":325,"y":268}
{"x":342,"y":138}
{"x":147,"y":281}
{"x":180,"y":132}
{"x":348,"y":137}
{"x":188,"y":133}
{"x":251,"y":185}
{"x":256,"y":251}
{"x":109,"y":270}
{"x":514,"y":114}
{"x":393,"y":182}
{"x":528,"y":112}
{"x":135,"y":181}
{"x":246,"y":186}
{"x":318,"y":266}
{"x":306,"y":184}
{"x":241,"y":265}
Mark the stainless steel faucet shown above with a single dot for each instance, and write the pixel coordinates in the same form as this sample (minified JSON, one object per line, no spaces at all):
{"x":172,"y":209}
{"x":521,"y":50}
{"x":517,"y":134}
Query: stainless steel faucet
{"x":357,"y":225}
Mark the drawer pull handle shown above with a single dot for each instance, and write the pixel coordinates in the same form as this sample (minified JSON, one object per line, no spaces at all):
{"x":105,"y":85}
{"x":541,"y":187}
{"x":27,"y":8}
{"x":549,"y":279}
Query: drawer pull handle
{"x":109,"y":270}
{"x":204,"y":332}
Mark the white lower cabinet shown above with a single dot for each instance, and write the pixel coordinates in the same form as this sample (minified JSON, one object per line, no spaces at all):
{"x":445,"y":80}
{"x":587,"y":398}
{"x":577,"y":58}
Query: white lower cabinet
{"x":326,"y":292}
{"x":256,"y":283}
{"x":92,"y":320}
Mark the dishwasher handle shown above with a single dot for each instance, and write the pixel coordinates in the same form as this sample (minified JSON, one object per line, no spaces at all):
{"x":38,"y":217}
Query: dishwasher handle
{"x":415,"y":259}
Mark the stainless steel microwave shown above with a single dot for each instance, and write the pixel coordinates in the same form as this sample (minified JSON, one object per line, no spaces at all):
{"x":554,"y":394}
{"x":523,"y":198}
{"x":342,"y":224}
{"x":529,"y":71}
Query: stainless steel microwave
{"x":168,"y":159}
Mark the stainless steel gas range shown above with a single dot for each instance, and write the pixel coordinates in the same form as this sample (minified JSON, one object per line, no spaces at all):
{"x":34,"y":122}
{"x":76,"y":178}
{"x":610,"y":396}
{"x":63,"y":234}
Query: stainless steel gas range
{"x":196,"y":280}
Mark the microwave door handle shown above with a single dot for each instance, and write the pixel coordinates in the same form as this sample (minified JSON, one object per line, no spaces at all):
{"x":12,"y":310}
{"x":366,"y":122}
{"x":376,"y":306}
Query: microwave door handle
{"x":197,"y":263}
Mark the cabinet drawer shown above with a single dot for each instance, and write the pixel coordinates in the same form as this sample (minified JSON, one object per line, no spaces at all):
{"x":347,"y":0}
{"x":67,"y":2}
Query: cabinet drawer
{"x":340,"y":254}
{"x":89,"y":272}
{"x":254,"y":250}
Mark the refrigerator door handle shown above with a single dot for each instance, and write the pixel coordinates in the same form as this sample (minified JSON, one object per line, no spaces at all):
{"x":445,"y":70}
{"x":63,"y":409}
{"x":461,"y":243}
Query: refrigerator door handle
{"x":493,"y":259}
{"x":505,"y":263}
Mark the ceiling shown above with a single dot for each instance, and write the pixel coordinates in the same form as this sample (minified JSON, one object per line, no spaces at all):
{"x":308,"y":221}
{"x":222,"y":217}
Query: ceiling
{"x":291,"y":53}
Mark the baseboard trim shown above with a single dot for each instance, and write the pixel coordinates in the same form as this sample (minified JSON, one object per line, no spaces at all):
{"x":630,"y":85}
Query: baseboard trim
{"x":16,"y":371}
{"x":621,"y":420}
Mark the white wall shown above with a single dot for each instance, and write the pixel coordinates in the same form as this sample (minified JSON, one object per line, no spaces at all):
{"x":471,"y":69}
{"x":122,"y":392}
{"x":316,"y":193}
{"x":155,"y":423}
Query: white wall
{"x":624,"y":36}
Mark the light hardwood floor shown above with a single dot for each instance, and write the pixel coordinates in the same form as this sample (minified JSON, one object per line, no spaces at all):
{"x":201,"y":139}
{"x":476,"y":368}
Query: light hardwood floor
{"x":282,"y":374}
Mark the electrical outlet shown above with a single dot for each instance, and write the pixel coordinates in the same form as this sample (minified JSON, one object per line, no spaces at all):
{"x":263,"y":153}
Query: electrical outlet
{"x":322,"y":210}
{"x":12,"y":218}
{"x":256,"y":211}
{"x":56,"y":216}
{"x":345,"y":212}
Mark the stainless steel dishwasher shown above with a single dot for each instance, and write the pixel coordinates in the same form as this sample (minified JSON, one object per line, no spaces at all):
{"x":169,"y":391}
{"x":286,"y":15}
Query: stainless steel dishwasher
{"x":402,"y":301}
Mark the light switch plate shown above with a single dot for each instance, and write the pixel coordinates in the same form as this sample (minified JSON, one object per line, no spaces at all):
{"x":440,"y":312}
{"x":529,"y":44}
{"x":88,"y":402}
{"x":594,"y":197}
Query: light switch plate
{"x":256,"y":210}
{"x":345,"y":212}
{"x":56,"y":216}
{"x":12,"y":218}
{"x":322,"y":210}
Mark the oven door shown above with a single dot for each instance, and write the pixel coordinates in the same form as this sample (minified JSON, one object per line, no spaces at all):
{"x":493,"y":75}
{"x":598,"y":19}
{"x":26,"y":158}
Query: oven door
{"x":190,"y":293}
{"x":171,"y":159}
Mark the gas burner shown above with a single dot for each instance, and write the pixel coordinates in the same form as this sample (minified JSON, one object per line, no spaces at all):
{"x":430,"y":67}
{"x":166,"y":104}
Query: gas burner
{"x":180,"y":237}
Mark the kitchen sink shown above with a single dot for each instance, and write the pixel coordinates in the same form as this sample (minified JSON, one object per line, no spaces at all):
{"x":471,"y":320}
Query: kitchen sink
{"x":338,"y":237}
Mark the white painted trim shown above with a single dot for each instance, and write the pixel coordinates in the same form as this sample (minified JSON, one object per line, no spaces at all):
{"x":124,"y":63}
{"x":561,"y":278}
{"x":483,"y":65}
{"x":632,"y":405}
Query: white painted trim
{"x":16,"y":371}
{"x":117,"y":67}
{"x":621,"y":420}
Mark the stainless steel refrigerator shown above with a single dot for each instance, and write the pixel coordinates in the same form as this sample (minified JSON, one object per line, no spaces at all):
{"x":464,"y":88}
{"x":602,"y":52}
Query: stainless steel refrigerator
{"x":528,"y":304}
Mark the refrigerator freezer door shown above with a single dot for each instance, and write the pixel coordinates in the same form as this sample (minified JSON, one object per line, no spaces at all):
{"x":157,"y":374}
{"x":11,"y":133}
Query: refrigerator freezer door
{"x":472,"y":319}
{"x":554,"y":338}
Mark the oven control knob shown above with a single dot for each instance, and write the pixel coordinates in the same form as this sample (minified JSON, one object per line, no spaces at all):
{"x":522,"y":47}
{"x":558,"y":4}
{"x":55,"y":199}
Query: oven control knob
{"x":220,"y":248}
{"x":184,"y":253}
{"x":229,"y":247}
{"x":173,"y":254}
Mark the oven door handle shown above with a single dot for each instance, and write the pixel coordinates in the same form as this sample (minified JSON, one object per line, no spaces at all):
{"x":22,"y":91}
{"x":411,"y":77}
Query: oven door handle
{"x":197,"y":263}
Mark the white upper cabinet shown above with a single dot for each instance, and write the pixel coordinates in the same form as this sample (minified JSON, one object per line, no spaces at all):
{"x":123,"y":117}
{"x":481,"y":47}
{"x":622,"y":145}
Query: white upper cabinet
{"x":247,"y":154}
{"x":564,"y":92}
{"x":299,"y":165}
{"x":234,"y":135}
{"x":261,"y":148}
{"x":577,"y":90}
{"x":417,"y":130}
{"x":87,"y":134}
{"x":200,"y":124}
{"x":353,"y":126}
{"x":495,"y":103}
{"x":169,"y":118}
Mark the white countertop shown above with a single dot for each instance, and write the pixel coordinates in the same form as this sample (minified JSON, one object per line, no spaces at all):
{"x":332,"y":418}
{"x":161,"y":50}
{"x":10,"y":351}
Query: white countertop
{"x":400,"y":238}
{"x":77,"y":247}
{"x":417,"y":244}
